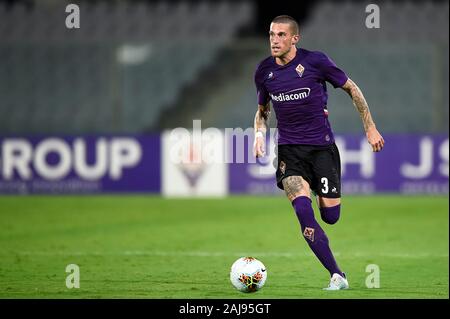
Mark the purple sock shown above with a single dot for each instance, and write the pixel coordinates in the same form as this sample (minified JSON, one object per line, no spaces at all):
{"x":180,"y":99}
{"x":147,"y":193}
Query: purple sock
{"x":314,"y":234}
{"x":330,"y":215}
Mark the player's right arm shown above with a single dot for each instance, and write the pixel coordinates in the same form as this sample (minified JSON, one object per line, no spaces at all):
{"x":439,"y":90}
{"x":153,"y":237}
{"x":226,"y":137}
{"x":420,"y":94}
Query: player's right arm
{"x":373,"y":136}
{"x":338,"y":78}
{"x":260,"y":126}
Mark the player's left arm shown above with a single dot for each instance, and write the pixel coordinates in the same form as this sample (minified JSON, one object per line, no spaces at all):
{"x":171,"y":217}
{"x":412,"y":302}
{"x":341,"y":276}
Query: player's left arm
{"x":373,"y":136}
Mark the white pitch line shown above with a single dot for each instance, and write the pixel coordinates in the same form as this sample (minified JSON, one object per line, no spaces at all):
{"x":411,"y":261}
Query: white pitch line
{"x":217,"y":254}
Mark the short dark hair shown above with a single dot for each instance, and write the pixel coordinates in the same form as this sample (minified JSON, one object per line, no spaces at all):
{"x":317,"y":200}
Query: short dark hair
{"x":289,"y":20}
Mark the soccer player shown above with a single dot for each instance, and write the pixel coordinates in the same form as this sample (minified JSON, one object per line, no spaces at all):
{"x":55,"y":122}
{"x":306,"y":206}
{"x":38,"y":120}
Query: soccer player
{"x":294,"y":79}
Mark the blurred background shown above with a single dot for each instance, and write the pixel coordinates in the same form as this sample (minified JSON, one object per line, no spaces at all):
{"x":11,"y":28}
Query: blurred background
{"x":96,"y":110}
{"x":145,"y":67}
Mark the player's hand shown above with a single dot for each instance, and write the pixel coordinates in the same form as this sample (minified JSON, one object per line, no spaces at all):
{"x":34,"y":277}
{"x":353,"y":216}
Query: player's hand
{"x":259,"y":146}
{"x":375,"y":139}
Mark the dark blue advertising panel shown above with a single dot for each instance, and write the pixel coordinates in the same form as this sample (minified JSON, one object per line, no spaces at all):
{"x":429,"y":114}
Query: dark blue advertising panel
{"x":97,"y":164}
{"x":408,"y":164}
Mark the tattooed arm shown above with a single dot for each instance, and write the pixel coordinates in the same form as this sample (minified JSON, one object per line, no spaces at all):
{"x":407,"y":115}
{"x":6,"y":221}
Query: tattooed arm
{"x":260,"y":125}
{"x":373,"y":136}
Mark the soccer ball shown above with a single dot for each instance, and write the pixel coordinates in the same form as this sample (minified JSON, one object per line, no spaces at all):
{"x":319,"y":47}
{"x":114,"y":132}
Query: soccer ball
{"x":248,"y":274}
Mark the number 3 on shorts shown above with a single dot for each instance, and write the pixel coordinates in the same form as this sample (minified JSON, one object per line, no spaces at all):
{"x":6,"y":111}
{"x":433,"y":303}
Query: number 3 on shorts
{"x":324,"y":181}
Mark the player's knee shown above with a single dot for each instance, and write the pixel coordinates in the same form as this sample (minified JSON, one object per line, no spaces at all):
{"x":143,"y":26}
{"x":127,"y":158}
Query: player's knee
{"x":330,"y":215}
{"x":295,"y":186}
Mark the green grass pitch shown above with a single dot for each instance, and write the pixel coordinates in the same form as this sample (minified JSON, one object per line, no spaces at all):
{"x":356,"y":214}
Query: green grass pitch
{"x":150,"y":247}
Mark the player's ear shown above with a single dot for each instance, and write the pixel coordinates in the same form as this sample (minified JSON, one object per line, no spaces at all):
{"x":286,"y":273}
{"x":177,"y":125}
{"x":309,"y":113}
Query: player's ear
{"x":295,"y":39}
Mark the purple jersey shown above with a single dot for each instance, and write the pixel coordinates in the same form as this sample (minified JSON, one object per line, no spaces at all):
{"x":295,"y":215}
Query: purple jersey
{"x":299,"y":96}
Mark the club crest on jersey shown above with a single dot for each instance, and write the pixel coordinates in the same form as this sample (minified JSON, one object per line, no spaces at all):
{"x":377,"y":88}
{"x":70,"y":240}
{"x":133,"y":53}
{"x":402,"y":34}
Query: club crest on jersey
{"x":270,"y":76}
{"x":300,"y":69}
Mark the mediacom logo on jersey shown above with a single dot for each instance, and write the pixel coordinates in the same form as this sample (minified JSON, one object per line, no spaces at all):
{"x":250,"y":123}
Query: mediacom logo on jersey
{"x":293,"y":95}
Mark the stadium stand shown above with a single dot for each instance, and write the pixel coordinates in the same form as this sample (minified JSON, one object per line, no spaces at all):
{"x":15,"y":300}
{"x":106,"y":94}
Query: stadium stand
{"x":114,"y":74}
{"x":154,"y":65}
{"x":402,"y":68}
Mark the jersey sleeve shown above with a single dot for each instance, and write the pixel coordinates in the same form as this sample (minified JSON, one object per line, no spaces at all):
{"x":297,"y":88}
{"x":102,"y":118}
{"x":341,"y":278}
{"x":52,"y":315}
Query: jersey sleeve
{"x":330,"y":72}
{"x":261,"y":91}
